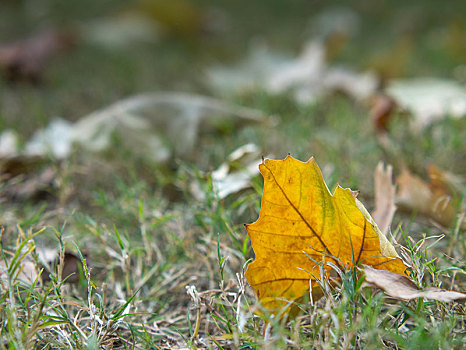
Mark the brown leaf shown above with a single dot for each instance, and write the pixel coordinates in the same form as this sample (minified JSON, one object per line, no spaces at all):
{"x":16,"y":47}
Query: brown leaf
{"x":28,"y":270}
{"x":436,"y":199}
{"x":443,"y":181}
{"x":19,"y":165}
{"x":381,"y":112}
{"x":32,"y":184}
{"x":25,"y":59}
{"x":401,"y":287}
{"x":69,"y":269}
{"x":384,"y":197}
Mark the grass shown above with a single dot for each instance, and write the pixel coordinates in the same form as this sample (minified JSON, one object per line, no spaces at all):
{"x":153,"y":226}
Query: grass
{"x":154,"y":266}
{"x":132,"y":288}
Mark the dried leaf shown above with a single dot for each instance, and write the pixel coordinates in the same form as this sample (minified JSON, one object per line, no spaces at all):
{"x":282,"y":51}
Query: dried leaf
{"x":18,"y":165}
{"x":54,"y":140}
{"x":232,"y":176}
{"x":401,"y":287}
{"x":235,"y":174}
{"x":307,"y":76}
{"x":27,"y":272}
{"x":252,"y":72}
{"x":301,"y":225}
{"x":429,"y":99}
{"x":8,"y":144}
{"x":69,"y":269}
{"x":437,"y":199}
{"x":381,"y":112}
{"x":359,"y":86}
{"x":301,"y":73}
{"x":384,"y":197}
{"x":160,"y":125}
{"x":156,"y":125}
{"x":27,"y":58}
{"x":36,"y":185}
{"x":48,"y":258}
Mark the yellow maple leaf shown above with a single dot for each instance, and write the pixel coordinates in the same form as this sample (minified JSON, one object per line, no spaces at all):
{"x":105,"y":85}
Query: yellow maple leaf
{"x":301,"y":224}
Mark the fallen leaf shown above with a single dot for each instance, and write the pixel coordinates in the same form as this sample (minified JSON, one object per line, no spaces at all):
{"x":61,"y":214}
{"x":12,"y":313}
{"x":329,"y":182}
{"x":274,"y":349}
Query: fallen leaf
{"x":26,"y":272}
{"x":401,"y":287}
{"x":307,"y":76}
{"x":160,"y":125}
{"x":303,"y":72}
{"x":358,"y":86}
{"x":18,"y":165}
{"x":48,"y":258}
{"x":8,"y":144}
{"x":23,"y":176}
{"x":438,"y":199}
{"x":233,"y":175}
{"x":70,"y":268}
{"x":26,"y":58}
{"x":156,"y":125}
{"x":384,"y":197}
{"x":382,"y":110}
{"x":429,"y":99}
{"x":444,"y":181}
{"x":236,"y":173}
{"x":120,"y":32}
{"x":54,"y":140}
{"x":37,"y":184}
{"x":252,"y":72}
{"x":301,"y":225}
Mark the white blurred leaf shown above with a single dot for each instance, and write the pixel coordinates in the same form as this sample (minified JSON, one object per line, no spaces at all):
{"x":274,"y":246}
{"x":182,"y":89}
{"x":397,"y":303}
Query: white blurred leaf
{"x":337,"y":19}
{"x":120,"y":32}
{"x":160,"y":125}
{"x":429,"y":99}
{"x":55,"y":139}
{"x":307,"y":76}
{"x":8,"y":144}
{"x":157,"y":125}
{"x":252,"y":72}
{"x":236,"y":173}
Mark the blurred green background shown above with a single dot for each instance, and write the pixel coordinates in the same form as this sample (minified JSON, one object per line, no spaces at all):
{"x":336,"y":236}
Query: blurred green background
{"x":394,"y":38}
